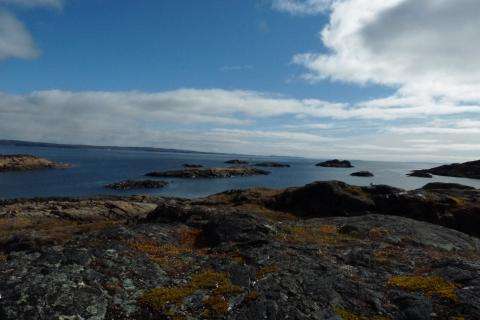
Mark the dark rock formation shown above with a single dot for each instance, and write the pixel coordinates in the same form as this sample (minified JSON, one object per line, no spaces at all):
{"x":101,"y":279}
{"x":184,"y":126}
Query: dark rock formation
{"x":462,"y":170}
{"x":236,"y":161}
{"x":234,"y":256}
{"x":135,"y":184}
{"x":21,"y":162}
{"x":192,"y":166}
{"x":272,"y":165}
{"x":446,"y":186}
{"x":362,"y":174}
{"x":210,"y":173}
{"x":420,"y":174}
{"x":335,"y":164}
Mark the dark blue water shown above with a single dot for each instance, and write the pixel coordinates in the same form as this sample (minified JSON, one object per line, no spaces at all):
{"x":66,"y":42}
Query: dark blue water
{"x":94,"y":168}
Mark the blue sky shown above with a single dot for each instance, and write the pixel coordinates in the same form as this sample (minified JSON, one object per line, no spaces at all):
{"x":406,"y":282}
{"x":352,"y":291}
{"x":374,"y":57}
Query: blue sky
{"x":318,"y":78}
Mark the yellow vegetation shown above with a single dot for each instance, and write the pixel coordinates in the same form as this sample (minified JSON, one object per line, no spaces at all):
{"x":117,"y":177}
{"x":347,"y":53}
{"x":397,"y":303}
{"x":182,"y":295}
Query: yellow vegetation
{"x":321,"y":235}
{"x":217,"y":283}
{"x":264,"y":271}
{"x":428,"y":285}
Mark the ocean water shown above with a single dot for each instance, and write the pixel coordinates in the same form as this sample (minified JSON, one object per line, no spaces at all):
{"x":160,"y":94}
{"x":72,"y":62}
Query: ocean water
{"x":93,"y":168}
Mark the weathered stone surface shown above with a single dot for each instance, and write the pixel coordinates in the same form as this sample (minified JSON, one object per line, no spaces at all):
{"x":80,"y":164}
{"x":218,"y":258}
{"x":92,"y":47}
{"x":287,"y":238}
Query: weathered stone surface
{"x":362,"y":174}
{"x":231,"y":256}
{"x":137,"y":184}
{"x":20,"y":162}
{"x":210,"y":173}
{"x":335,"y":164}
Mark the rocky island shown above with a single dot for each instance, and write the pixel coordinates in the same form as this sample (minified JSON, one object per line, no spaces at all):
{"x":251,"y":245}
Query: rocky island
{"x":461,"y":170}
{"x":192,"y":166}
{"x":362,"y":174}
{"x":135,"y":184}
{"x":210,"y":173}
{"x":236,"y":161}
{"x":21,"y":162}
{"x":327,"y":250}
{"x":272,"y":165}
{"x":335,"y":164}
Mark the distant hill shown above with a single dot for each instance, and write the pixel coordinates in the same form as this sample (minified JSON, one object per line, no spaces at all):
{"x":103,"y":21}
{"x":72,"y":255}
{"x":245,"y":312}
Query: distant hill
{"x":18,"y":143}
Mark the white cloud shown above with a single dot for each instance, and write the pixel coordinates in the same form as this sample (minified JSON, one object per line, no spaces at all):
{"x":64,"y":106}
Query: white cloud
{"x":34,"y":3}
{"x":302,"y":7}
{"x":15,"y":40}
{"x":424,"y":47}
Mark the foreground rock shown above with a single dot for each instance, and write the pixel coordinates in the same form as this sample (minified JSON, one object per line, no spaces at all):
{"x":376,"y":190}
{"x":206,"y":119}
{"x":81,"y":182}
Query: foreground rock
{"x":134,"y":184}
{"x":462,"y":170}
{"x":272,"y":165}
{"x":234,"y":256}
{"x":26,"y":163}
{"x":210,"y":173}
{"x":335,"y":164}
{"x":362,"y":174}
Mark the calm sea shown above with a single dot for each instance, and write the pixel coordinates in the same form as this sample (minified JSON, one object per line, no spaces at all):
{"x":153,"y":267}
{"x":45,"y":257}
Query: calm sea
{"x":94,"y":168}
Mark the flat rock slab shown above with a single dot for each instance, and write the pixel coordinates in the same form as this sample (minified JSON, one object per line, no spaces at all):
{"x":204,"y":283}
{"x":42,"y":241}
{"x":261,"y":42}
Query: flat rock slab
{"x":20,"y":162}
{"x":210,"y":173}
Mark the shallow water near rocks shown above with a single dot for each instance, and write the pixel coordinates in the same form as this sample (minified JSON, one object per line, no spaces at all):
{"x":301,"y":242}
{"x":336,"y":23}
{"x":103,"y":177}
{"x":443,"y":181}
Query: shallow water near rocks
{"x":94,"y":168}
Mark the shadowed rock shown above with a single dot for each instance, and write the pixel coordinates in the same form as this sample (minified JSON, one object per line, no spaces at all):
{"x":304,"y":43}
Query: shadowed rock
{"x":446,"y":186}
{"x":362,"y":174}
{"x":137,"y":184}
{"x":210,"y":173}
{"x":27,"y":162}
{"x":335,"y":164}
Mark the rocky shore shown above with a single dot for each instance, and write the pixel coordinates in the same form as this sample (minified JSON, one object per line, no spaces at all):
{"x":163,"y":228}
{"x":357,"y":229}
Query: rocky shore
{"x":335,"y":164}
{"x":20,"y":162}
{"x":209,"y":173}
{"x":461,"y":170}
{"x":327,"y":250}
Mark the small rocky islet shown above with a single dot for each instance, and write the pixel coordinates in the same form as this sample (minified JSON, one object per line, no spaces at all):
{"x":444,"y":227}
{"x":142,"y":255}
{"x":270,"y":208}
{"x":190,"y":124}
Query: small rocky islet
{"x":137,"y":184}
{"x":327,"y":250}
{"x":23,"y":162}
{"x":335,"y":164}
{"x":209,"y":173}
{"x":271,"y":164}
{"x":365,"y":174}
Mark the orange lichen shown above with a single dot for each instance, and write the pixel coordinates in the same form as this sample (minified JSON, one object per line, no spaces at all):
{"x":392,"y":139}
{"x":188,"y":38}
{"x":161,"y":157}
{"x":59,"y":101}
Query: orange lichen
{"x":428,"y":285}
{"x":377,"y":233}
{"x":218,"y":285}
{"x":266,"y":270}
{"x":320,"y":235}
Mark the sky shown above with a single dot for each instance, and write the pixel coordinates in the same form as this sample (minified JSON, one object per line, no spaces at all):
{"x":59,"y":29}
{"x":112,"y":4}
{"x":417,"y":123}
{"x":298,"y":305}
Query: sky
{"x":357,"y":79}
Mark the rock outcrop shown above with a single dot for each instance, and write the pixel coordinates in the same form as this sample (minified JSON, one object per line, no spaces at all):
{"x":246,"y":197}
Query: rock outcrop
{"x":462,"y":170}
{"x":365,"y":174}
{"x":272,"y":165}
{"x":335,"y":164}
{"x":420,"y":174}
{"x":137,"y":184}
{"x":210,"y":173}
{"x":243,"y":254}
{"x":20,"y":162}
